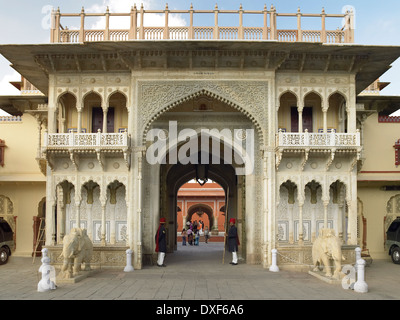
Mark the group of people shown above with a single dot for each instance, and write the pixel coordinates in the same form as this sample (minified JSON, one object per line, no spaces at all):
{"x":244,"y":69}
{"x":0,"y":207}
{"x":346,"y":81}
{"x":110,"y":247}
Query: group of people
{"x":161,"y":243}
{"x":193,"y":233}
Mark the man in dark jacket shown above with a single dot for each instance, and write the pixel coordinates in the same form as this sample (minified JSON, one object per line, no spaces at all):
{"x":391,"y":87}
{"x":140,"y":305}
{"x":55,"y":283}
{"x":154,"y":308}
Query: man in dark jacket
{"x":233,"y":241}
{"x":161,"y":243}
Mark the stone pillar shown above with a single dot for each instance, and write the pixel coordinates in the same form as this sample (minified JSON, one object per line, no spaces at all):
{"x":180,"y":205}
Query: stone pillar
{"x":79,"y":125}
{"x":313,"y":223}
{"x":133,"y":23}
{"x":291,"y":222}
{"x":324,"y":112}
{"x":299,"y":31}
{"x":166,"y":28}
{"x":216,"y":28}
{"x":103,"y":221}
{"x":53,"y":222}
{"x":137,"y":234}
{"x":89,"y":210}
{"x":112,"y":224}
{"x":301,"y":235}
{"x":267,"y":223}
{"x":300,"y":110}
{"x":326,"y":203}
{"x":82,"y":28}
{"x":61,"y":213}
{"x":250,"y":218}
{"x":105,"y":110}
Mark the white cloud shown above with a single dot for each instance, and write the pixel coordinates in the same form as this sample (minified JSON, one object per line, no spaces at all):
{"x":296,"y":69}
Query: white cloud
{"x":4,"y":114}
{"x":124,"y":6}
{"x":6,"y":88}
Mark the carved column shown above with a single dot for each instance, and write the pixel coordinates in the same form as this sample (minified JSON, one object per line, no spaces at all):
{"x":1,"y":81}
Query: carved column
{"x":78,"y":209}
{"x":140,"y":152}
{"x":39,"y":149}
{"x":267,"y":223}
{"x":61,"y":211}
{"x":291,"y":222}
{"x":105,"y":119}
{"x":324,"y":113}
{"x":300,"y":110}
{"x":52,"y":220}
{"x":301,"y":235}
{"x":326,"y":203}
{"x":103,"y":201}
{"x":79,"y":126}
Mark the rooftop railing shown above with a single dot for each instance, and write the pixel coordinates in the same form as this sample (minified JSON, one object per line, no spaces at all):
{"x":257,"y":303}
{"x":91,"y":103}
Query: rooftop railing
{"x":269,"y":30}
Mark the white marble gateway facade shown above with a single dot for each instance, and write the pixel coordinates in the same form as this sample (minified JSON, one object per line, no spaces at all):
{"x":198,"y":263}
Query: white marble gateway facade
{"x":99,"y":177}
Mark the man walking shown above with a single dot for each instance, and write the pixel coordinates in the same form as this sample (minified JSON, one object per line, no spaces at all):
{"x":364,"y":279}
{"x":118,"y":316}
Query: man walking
{"x":161,"y":243}
{"x":233,"y":241}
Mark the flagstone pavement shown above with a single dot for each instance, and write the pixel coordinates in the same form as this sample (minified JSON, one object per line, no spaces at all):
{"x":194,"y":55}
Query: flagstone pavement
{"x":196,"y":273}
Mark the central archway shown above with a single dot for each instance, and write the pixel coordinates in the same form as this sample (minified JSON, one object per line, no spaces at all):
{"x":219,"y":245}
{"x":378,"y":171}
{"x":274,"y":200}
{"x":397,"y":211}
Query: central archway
{"x":194,"y":129}
{"x":177,"y":175}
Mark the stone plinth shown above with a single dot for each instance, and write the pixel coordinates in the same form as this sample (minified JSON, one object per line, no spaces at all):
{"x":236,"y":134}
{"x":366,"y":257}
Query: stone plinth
{"x":103,"y":256}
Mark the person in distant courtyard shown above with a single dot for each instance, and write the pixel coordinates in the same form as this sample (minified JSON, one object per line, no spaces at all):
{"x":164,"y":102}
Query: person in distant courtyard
{"x":206,"y":235}
{"x":233,"y":241}
{"x":190,"y":236}
{"x":197,"y":238}
{"x":195,"y":225}
{"x":161,"y":243}
{"x":183,"y":233}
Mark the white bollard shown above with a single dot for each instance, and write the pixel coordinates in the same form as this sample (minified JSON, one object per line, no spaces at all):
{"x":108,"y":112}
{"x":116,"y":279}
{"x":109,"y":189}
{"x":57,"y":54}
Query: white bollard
{"x":44,"y":252}
{"x":361,"y":286}
{"x":128,"y":267}
{"x":47,"y":282}
{"x":273,"y":267}
{"x":358,"y":256}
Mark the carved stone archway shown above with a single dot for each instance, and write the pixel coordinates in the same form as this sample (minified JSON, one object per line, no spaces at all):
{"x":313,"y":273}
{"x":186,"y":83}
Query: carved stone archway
{"x":248,"y":97}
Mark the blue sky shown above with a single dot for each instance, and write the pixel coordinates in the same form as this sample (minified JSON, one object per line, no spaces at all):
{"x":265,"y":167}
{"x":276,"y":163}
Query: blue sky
{"x":27,"y":22}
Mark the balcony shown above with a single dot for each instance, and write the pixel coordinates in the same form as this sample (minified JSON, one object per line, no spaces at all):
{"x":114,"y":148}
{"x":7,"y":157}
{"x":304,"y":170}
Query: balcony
{"x":76,"y":144}
{"x":330,"y":143}
{"x":317,"y":140}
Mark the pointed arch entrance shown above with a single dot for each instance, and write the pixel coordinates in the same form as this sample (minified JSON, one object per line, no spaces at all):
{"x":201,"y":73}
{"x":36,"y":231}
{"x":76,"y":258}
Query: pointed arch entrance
{"x":202,"y":122}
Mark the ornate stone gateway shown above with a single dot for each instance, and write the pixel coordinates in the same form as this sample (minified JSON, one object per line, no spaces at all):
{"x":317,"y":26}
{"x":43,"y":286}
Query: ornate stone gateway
{"x":273,"y":122}
{"x":205,"y":135}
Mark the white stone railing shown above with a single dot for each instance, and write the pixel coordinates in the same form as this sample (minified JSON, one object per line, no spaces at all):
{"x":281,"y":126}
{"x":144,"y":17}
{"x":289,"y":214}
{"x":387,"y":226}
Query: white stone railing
{"x":311,"y":139}
{"x":270,"y":29}
{"x":86,"y":140}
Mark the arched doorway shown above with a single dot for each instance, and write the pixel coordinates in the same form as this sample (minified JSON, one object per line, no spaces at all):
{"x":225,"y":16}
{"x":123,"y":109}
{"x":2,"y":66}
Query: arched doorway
{"x":236,"y":166}
{"x":210,"y":166}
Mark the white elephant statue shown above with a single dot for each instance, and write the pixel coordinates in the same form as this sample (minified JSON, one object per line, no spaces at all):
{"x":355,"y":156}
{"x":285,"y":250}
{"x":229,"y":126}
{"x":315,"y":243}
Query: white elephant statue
{"x":325,"y":248}
{"x":77,"y":249}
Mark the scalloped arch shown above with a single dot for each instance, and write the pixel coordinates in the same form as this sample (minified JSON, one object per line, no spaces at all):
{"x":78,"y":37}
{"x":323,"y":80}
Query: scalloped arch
{"x":115,"y":92}
{"x":210,"y":94}
{"x":289,"y":91}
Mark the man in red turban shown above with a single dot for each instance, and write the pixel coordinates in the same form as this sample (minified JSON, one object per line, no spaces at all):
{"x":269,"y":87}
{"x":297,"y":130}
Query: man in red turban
{"x":233,"y":241}
{"x":161,"y":243}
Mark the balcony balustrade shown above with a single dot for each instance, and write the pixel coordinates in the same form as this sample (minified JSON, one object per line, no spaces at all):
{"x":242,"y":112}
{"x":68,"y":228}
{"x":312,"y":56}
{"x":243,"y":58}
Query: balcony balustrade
{"x":138,"y":31}
{"x":76,"y":144}
{"x":317,"y":140}
{"x":86,"y":140}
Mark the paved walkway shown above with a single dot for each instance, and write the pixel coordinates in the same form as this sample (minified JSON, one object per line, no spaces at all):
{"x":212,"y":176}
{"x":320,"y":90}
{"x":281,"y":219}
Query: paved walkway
{"x":196,"y":273}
